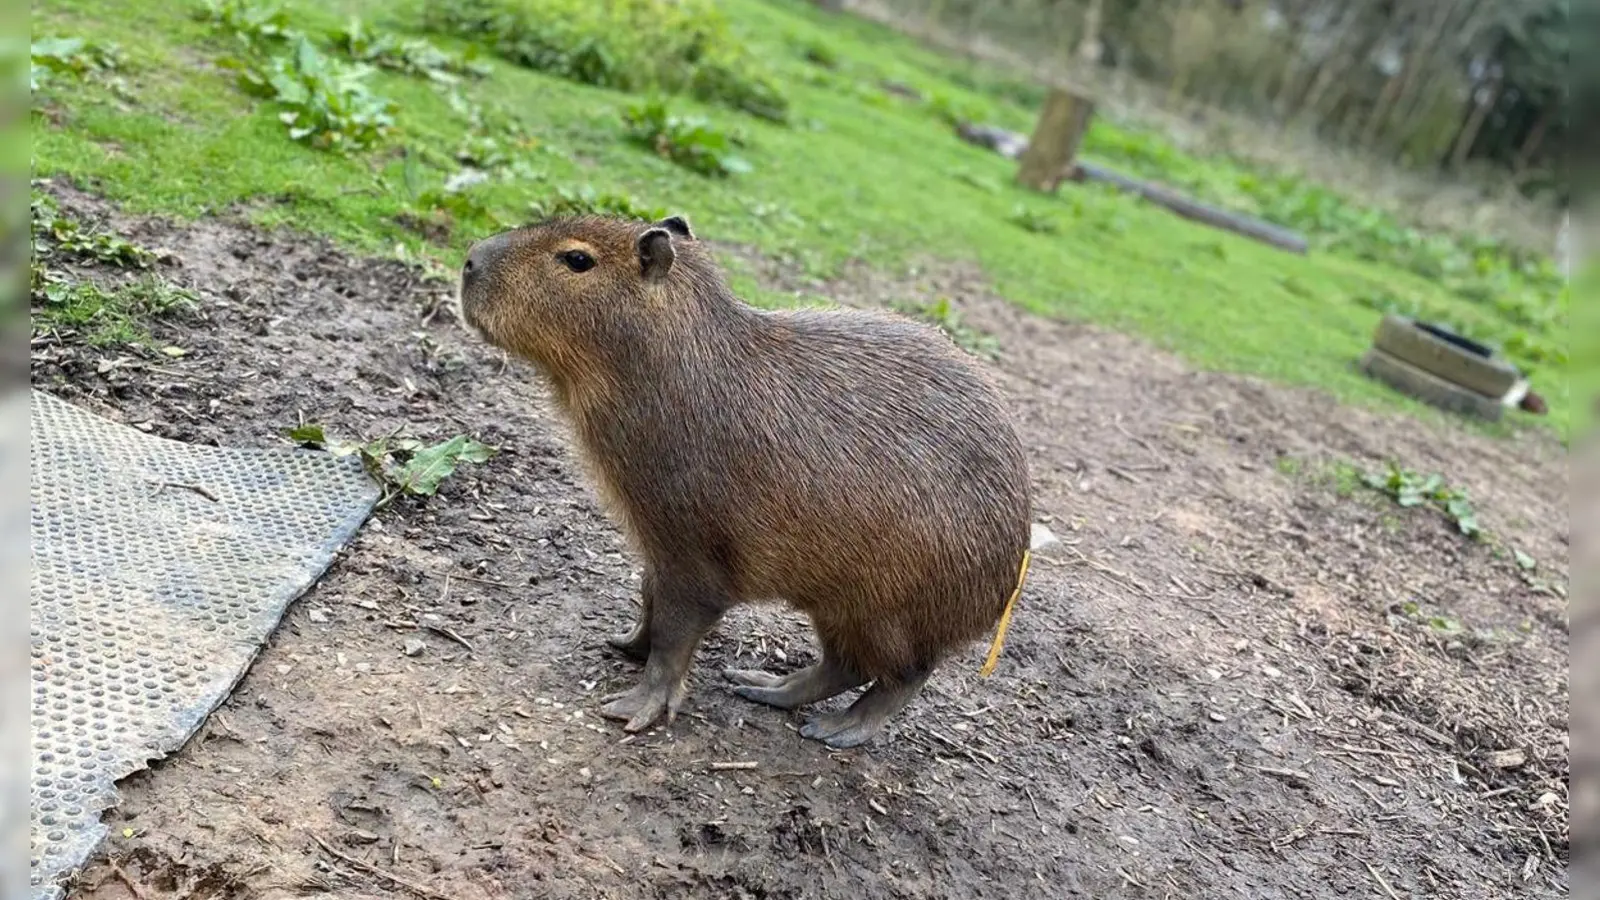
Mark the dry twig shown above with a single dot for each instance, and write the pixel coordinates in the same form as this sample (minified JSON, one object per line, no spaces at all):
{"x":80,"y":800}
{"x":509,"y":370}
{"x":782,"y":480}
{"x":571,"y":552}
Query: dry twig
{"x":1291,"y":774}
{"x":127,"y":881}
{"x":447,"y":633}
{"x":195,"y":488}
{"x":370,"y":869}
{"x":1382,"y":882}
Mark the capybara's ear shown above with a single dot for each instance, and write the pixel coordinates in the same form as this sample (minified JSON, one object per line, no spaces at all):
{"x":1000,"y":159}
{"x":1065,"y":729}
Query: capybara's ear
{"x":655,"y":254}
{"x":678,"y":225}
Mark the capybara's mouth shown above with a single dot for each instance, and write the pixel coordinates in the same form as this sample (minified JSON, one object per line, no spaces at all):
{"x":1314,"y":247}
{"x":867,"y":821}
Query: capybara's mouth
{"x":467,"y":312}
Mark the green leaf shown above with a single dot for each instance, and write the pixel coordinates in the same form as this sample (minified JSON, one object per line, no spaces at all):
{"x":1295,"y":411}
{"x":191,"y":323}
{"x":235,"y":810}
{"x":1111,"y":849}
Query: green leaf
{"x":431,"y":465}
{"x":1524,"y":561}
{"x":308,"y":434}
{"x":375,"y":457}
{"x":478,"y":453}
{"x":1443,"y":623}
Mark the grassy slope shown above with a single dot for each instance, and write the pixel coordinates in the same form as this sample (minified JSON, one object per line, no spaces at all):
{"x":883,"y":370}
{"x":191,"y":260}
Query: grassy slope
{"x":862,"y":175}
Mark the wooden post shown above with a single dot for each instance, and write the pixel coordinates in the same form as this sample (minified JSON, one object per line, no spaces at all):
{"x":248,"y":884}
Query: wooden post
{"x":1054,"y":145}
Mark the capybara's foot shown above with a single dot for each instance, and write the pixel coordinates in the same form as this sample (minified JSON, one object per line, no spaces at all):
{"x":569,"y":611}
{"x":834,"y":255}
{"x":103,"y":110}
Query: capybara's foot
{"x":809,"y":685}
{"x":841,"y":730}
{"x":866,"y":717}
{"x":676,"y":618}
{"x":643,"y":704}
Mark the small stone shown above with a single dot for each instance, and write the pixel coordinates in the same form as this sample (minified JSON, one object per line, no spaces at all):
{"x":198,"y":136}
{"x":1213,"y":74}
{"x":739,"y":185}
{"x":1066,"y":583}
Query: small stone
{"x":414,"y":647}
{"x":1217,"y":717}
{"x":1040,"y":537}
{"x":1272,"y":671}
{"x":285,"y":668}
{"x":319,"y":616}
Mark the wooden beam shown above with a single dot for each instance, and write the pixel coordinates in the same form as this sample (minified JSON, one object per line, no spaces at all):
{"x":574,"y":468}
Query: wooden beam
{"x":1266,"y":232}
{"x":1049,"y":158}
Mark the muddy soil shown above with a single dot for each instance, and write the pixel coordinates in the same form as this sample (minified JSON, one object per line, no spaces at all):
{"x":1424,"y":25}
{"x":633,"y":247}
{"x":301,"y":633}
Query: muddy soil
{"x":1238,"y":675}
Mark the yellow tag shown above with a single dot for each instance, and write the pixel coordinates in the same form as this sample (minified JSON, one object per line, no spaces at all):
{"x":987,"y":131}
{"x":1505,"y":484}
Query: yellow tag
{"x":1005,"y":619}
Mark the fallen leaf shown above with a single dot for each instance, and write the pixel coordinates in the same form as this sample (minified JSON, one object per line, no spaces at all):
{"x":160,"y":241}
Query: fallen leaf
{"x":429,"y":466}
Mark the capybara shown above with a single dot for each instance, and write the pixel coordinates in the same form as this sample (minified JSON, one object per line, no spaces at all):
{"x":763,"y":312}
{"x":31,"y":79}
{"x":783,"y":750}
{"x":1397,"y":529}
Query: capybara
{"x":857,"y":465}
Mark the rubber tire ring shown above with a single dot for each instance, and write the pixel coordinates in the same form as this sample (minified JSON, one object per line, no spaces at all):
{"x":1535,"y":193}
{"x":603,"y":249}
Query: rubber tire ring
{"x":1429,"y":388}
{"x":1402,"y":339}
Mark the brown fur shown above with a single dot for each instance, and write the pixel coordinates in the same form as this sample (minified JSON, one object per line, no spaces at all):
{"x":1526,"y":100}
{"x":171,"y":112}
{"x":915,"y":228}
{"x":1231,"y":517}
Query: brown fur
{"x":857,"y":465}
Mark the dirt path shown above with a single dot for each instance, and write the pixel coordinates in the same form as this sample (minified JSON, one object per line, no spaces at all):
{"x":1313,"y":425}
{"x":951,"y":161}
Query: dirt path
{"x":1224,"y":683}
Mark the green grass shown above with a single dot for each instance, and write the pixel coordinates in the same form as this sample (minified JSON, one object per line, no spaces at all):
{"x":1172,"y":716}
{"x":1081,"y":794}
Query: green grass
{"x":856,"y":173}
{"x":106,"y":315}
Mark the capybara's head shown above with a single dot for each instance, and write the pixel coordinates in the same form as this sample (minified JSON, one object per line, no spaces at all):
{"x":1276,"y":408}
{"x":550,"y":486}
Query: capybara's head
{"x":555,"y":291}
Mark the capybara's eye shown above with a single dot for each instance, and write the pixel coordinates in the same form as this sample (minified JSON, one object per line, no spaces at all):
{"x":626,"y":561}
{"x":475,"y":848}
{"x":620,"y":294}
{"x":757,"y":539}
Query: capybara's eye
{"x":576,"y":260}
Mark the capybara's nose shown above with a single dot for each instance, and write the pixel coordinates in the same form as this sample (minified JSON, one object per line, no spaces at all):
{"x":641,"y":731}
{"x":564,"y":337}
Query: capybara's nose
{"x":481,"y":257}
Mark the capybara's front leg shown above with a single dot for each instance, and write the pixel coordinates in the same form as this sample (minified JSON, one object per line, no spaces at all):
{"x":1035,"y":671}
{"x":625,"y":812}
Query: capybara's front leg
{"x":679,"y":613}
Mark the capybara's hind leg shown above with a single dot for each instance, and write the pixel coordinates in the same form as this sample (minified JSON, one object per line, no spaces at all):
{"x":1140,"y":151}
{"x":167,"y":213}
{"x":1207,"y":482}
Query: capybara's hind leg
{"x":866,"y":717}
{"x":826,"y":679}
{"x":680,"y":615}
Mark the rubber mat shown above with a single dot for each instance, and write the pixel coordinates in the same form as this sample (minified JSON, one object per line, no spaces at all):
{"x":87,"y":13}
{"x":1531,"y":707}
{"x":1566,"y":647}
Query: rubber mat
{"x":159,"y":569}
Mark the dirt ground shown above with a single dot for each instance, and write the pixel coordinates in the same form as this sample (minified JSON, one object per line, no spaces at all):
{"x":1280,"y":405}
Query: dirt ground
{"x":1235,"y":677}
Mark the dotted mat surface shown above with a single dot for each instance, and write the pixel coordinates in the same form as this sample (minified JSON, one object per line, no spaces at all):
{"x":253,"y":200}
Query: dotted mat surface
{"x":159,"y":569}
